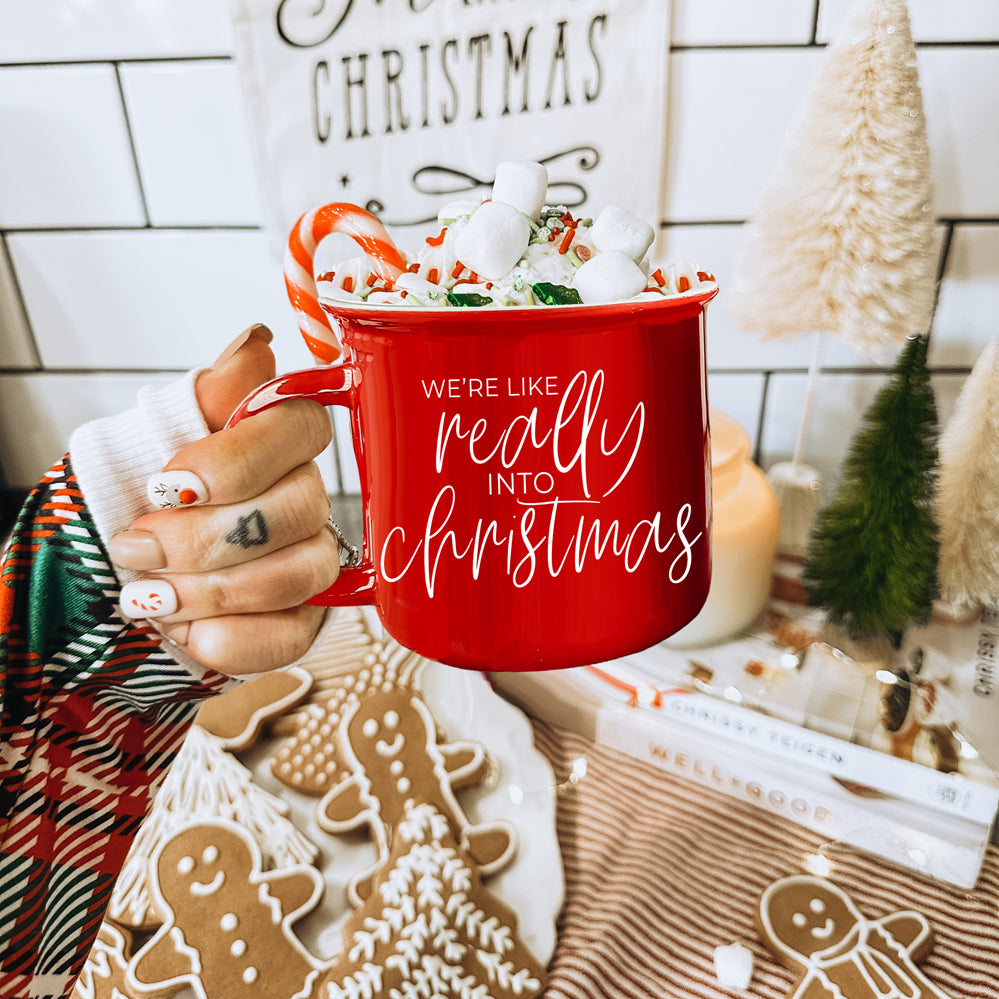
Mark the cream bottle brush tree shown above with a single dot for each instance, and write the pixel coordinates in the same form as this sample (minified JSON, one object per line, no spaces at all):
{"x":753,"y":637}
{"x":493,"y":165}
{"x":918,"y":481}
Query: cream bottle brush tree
{"x":842,"y":239}
{"x":967,"y":496}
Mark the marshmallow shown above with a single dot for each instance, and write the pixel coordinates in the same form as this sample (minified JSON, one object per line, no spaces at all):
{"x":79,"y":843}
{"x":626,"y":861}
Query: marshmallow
{"x":734,"y":966}
{"x":523,"y":185}
{"x":455,"y":209}
{"x":494,"y":239}
{"x":422,"y":290}
{"x":617,"y":229}
{"x":608,"y":277}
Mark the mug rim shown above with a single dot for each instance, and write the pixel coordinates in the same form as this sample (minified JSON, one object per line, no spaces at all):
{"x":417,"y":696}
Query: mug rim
{"x":673,"y":303}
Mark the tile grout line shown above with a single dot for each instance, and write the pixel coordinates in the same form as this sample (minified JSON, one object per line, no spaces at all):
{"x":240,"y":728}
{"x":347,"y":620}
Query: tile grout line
{"x":815,"y":22}
{"x":19,"y":300}
{"x":131,"y":143}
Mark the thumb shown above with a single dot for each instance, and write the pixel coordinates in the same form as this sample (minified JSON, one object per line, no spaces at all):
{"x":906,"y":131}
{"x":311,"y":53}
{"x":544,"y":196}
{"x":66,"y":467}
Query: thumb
{"x":246,"y":363}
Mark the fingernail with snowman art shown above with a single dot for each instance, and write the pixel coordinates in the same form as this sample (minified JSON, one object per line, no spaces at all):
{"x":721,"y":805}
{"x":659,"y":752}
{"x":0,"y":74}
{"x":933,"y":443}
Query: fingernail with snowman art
{"x":147,"y":598}
{"x":176,"y":488}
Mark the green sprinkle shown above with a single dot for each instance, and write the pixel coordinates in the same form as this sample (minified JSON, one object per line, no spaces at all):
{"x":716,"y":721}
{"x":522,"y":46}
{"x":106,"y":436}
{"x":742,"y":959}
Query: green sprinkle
{"x":518,"y":283}
{"x":573,"y":257}
{"x":556,"y":294}
{"x":472,"y":300}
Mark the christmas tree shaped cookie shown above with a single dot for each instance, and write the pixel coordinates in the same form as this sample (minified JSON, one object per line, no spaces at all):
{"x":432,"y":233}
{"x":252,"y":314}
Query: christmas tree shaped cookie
{"x":814,"y":928}
{"x":227,"y":930}
{"x":430,"y":928}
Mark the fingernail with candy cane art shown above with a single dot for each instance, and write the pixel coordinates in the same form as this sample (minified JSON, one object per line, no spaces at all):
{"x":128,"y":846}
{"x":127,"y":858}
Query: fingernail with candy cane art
{"x":148,"y":598}
{"x":176,"y":488}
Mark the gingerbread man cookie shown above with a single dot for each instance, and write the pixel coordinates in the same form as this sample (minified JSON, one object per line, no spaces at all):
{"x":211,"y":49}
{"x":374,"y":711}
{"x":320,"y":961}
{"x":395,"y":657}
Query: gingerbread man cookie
{"x":814,"y":928}
{"x":103,"y":975}
{"x":389,"y":741}
{"x":227,"y":931}
{"x":237,"y":717}
{"x":204,"y":783}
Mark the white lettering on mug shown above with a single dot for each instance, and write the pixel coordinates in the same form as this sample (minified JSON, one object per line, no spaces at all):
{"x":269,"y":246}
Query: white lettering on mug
{"x":569,"y":438}
{"x":561,"y":540}
{"x":558,"y":528}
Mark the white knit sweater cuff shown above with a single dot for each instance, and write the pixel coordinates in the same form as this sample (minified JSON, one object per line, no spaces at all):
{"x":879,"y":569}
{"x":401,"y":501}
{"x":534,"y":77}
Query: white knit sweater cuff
{"x":114,"y":457}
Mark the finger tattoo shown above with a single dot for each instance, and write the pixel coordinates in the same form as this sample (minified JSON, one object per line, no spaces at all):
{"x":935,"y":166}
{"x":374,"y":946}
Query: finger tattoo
{"x":249,"y":531}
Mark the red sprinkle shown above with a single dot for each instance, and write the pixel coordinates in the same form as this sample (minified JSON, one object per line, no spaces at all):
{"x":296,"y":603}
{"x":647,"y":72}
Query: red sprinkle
{"x":348,"y":284}
{"x":566,"y":240}
{"x":705,"y":276}
{"x":413,"y":268}
{"x":683,"y":283}
{"x":438,"y":239}
{"x":433,"y":275}
{"x":328,"y":276}
{"x":458,"y":268}
{"x":657,"y":276}
{"x":372,"y":278}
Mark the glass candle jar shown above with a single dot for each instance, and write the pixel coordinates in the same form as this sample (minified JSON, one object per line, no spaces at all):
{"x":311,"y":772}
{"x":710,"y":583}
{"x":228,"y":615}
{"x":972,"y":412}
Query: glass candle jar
{"x":744,"y":534}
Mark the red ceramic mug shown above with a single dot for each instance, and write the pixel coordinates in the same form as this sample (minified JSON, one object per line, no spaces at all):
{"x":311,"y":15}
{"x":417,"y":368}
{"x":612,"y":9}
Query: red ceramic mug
{"x":535,"y":482}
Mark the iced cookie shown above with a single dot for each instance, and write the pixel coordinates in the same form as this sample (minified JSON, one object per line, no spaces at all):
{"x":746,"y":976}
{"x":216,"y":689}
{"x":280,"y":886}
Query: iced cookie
{"x":103,"y":975}
{"x":237,"y":717}
{"x":351,"y":663}
{"x":389,"y":742}
{"x":348,"y":645}
{"x":228,"y":931}
{"x":814,"y":928}
{"x":430,"y":928}
{"x":205,"y":782}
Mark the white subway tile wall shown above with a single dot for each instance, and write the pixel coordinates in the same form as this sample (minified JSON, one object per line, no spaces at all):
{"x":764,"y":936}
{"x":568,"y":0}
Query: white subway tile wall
{"x":131,"y":247}
{"x":191,"y":144}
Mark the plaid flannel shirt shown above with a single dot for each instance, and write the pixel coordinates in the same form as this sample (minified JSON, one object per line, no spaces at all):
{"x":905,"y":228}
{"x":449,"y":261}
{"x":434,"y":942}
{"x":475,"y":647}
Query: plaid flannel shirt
{"x":92,"y":712}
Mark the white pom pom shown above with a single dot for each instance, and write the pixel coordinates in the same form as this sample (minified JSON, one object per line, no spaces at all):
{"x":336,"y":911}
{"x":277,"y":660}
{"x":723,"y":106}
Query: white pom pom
{"x":609,"y":277}
{"x":494,"y":239}
{"x":734,"y":966}
{"x":521,"y":184}
{"x":617,"y":229}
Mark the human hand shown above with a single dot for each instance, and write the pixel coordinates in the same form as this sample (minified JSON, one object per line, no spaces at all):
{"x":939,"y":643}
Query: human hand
{"x":226,"y":571}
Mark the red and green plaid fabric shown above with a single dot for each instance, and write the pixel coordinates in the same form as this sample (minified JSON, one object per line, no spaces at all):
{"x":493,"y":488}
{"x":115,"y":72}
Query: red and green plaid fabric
{"x":92,"y":712}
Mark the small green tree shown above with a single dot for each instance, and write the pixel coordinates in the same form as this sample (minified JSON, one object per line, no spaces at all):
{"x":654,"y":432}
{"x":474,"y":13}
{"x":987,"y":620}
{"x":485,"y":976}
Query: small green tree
{"x":873,"y":553}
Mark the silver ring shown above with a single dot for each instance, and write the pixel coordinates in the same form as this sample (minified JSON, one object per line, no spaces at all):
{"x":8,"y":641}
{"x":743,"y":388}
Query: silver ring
{"x":349,"y":555}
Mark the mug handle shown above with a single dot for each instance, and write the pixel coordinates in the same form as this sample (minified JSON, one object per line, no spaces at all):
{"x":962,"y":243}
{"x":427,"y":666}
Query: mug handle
{"x":329,"y":386}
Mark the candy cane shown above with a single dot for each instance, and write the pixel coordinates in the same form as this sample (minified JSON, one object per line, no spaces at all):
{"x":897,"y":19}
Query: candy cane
{"x":386,"y":261}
